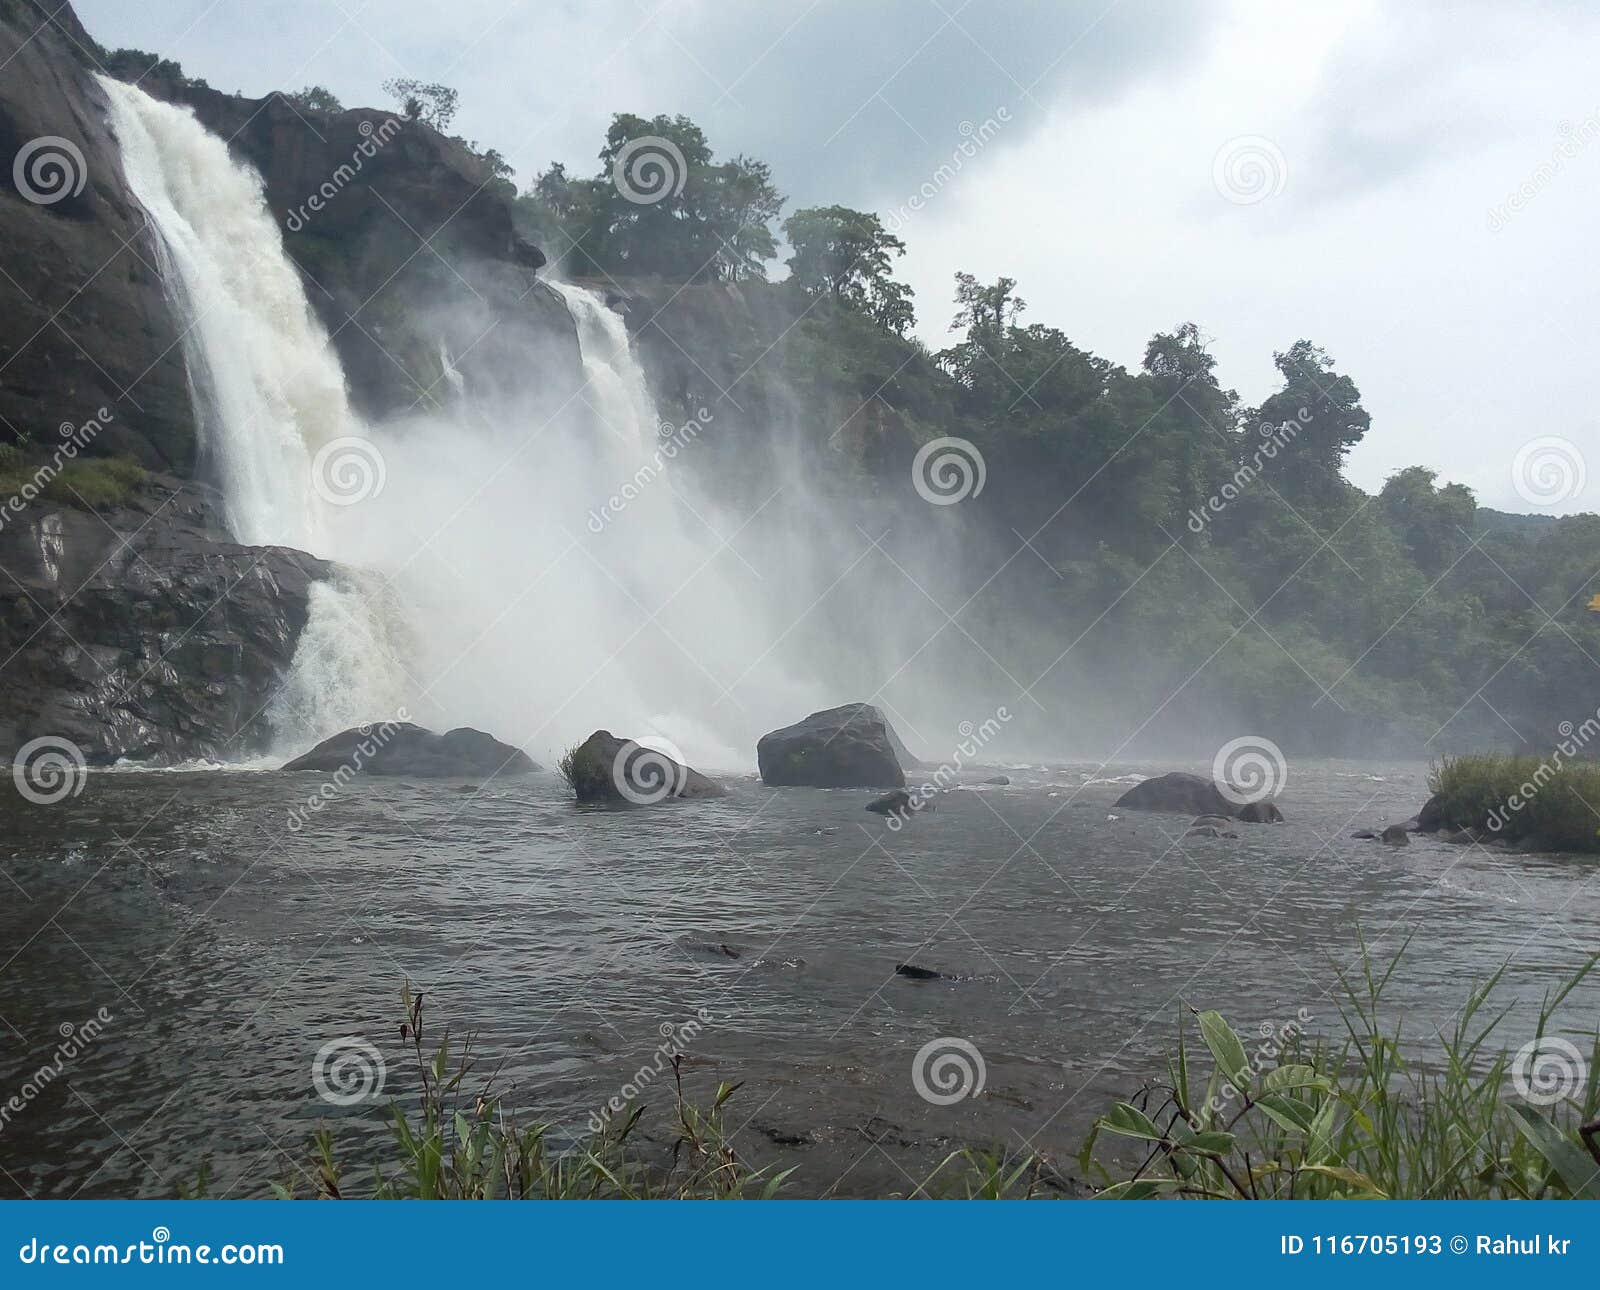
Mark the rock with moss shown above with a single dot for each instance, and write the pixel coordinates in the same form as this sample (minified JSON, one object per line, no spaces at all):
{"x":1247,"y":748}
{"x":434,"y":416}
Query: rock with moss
{"x":604,"y":768}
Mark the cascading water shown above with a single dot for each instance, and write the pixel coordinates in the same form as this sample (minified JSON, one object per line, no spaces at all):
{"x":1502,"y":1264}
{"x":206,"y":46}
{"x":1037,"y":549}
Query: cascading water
{"x":553,"y":578}
{"x":268,"y":392}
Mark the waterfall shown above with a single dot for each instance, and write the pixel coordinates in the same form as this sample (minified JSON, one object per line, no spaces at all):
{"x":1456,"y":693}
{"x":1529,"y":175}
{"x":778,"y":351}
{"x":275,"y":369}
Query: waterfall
{"x":533,"y":565}
{"x":268,"y":392}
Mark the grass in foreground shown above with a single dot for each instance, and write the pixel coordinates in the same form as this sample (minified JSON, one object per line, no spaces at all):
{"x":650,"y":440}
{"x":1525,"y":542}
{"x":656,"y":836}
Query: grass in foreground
{"x":1552,"y":803}
{"x":1361,"y":1119}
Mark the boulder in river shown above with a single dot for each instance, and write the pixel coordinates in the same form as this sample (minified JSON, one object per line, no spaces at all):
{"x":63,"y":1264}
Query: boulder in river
{"x":604,"y":768}
{"x":401,"y":748}
{"x":1183,"y":793}
{"x":1396,"y":835}
{"x":853,"y":746}
{"x":900,"y":803}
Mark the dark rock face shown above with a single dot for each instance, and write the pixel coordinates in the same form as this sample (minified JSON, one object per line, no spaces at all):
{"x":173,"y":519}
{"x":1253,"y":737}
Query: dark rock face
{"x":401,"y":748}
{"x":853,"y":746}
{"x":357,"y":195}
{"x":1183,"y":793}
{"x":919,"y":973}
{"x":86,"y":315}
{"x":1178,"y":792}
{"x":142,"y":633}
{"x":606,"y":769}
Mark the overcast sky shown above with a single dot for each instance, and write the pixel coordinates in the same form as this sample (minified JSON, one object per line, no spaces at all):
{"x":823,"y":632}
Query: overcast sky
{"x":1338,"y":171}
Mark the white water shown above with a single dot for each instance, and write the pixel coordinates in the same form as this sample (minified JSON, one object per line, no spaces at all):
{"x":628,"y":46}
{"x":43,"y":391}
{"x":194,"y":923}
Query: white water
{"x":551,"y":577}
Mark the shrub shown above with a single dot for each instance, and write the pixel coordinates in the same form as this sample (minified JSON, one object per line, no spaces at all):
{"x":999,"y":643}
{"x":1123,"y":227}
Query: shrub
{"x":586,"y":774}
{"x":1551,"y":803}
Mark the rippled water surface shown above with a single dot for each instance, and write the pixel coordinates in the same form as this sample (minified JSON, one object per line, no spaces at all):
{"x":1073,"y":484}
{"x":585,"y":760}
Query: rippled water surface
{"x":227,"y":950}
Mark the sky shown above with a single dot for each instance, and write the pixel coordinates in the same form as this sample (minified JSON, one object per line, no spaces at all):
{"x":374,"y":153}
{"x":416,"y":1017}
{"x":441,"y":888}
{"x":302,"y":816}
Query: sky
{"x":1409,"y":185}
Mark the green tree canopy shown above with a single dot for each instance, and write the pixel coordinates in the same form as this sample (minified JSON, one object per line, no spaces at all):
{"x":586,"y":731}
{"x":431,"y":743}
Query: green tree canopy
{"x":846,"y":255}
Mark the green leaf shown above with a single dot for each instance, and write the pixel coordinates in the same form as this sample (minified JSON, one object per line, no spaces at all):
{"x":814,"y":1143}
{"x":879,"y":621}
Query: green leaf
{"x":1226,"y":1048}
{"x":1214,"y":1143}
{"x":1350,"y":1177}
{"x":1571,"y":1163}
{"x":1131,"y":1122}
{"x":1139,"y":1189}
{"x":1287,"y":1112}
{"x":1286,"y":1078}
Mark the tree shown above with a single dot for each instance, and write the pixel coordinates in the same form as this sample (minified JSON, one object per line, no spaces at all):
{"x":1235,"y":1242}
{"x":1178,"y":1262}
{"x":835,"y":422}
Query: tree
{"x":845,"y":255}
{"x":1321,"y":417}
{"x":993,"y":306}
{"x":432,"y":104}
{"x":315,"y":98}
{"x":1435,"y":524}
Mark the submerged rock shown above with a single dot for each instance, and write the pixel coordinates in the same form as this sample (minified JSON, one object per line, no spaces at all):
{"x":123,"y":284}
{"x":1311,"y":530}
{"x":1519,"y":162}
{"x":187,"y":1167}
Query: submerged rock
{"x":999,"y":780}
{"x":1396,"y":835}
{"x":1209,"y":831}
{"x":401,"y":748}
{"x":1260,"y":813}
{"x":853,"y":746}
{"x":604,"y":768}
{"x":901,"y":803}
{"x":919,"y":973}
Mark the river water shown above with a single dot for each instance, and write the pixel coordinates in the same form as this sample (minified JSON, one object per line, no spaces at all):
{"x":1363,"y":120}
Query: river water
{"x":219,"y":952}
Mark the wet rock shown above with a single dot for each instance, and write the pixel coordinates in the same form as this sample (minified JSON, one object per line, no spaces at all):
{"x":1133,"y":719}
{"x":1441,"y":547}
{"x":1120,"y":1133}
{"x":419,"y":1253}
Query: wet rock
{"x":1260,"y":813}
{"x":901,"y":803}
{"x":919,"y":973}
{"x":717,"y":949}
{"x":401,"y":748}
{"x":1210,"y":831}
{"x":853,"y":746}
{"x":1179,"y":792}
{"x":1000,"y":780}
{"x":1211,"y":822}
{"x":1365,"y":835}
{"x":604,"y":768}
{"x":1396,"y":835}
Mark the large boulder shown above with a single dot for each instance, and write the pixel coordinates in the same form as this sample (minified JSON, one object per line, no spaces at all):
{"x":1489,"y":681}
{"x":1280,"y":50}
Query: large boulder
{"x":401,"y":748}
{"x":604,"y":768}
{"x":849,"y":747}
{"x":1179,"y":792}
{"x":1183,"y":793}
